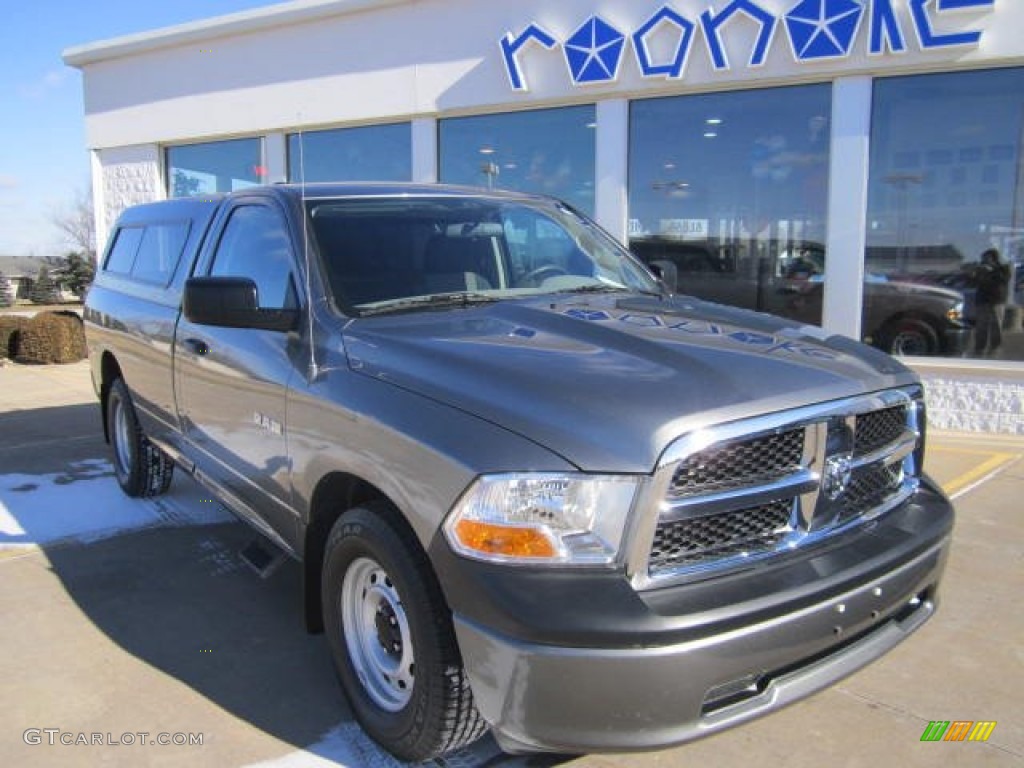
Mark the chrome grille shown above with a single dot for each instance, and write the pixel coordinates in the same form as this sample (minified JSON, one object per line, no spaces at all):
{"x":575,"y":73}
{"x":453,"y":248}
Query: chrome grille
{"x":736,"y":493}
{"x":877,"y":429}
{"x":739,"y":464}
{"x":870,"y":486}
{"x":696,"y":540}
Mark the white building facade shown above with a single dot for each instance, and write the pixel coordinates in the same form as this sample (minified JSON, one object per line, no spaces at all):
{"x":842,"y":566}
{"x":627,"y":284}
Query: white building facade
{"x":747,"y":137}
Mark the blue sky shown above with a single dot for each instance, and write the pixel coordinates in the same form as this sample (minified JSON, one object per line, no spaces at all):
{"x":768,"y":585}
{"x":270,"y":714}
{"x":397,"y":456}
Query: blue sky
{"x":43,"y":159}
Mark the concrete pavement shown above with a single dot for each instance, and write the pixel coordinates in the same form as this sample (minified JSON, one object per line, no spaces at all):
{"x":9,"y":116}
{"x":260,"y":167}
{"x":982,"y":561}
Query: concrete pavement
{"x":126,"y":617}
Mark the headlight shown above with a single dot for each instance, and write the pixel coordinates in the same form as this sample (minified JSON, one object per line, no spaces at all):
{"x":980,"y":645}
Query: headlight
{"x":955,"y":314}
{"x":530,"y":518}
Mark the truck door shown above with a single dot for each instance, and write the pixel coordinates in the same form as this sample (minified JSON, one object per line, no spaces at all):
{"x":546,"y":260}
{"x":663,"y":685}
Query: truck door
{"x":232,"y":383}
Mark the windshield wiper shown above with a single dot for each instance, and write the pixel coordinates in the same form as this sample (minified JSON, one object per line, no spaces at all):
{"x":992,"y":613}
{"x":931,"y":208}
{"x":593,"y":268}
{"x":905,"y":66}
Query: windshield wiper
{"x":608,"y":288}
{"x":656,"y":294}
{"x":599,"y":288}
{"x":431,"y":301}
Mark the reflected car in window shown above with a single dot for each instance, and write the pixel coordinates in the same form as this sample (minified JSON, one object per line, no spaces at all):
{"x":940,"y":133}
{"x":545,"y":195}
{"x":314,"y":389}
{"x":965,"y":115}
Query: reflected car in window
{"x":787,"y":279}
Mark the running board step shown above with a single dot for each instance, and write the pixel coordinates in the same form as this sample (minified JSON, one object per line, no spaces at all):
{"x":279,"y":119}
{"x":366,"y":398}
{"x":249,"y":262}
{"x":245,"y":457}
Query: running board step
{"x":262,"y":556}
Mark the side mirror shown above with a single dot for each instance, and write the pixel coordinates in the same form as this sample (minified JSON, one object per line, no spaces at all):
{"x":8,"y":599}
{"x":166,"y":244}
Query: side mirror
{"x":667,"y":272}
{"x":232,"y":302}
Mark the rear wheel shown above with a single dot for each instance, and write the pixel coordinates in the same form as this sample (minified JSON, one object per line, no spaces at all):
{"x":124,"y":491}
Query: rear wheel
{"x":910,"y":337}
{"x":141,"y":468}
{"x":391,"y":635}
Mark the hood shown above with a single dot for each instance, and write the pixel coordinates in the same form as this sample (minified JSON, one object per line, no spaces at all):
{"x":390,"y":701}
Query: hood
{"x":904,"y":286}
{"x":946,"y":296}
{"x":608,"y":382}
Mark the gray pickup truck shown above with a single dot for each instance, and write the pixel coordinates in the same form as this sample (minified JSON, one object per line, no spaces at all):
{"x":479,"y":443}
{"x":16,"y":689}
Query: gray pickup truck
{"x":531,"y":490}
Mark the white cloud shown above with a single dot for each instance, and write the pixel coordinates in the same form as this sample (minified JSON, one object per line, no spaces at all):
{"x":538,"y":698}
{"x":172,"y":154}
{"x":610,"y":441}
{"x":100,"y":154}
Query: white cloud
{"x":24,"y":228}
{"x":7,"y":181}
{"x":41,"y":86}
{"x":55,"y":77}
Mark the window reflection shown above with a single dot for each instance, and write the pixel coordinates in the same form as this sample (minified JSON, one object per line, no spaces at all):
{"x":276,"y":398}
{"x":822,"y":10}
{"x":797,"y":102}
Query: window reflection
{"x":946,"y":185}
{"x":122,"y":252}
{"x":732,"y":189}
{"x":548,"y":151}
{"x":214,"y":167}
{"x":160,"y":251}
{"x":368,"y":153}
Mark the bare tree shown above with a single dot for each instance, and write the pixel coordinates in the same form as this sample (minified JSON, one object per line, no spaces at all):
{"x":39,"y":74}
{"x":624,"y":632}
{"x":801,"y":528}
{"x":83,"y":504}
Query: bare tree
{"x":76,"y":221}
{"x":78,"y":224}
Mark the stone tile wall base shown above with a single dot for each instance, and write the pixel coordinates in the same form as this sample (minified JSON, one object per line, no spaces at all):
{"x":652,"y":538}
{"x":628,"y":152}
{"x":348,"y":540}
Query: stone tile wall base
{"x":966,"y":403}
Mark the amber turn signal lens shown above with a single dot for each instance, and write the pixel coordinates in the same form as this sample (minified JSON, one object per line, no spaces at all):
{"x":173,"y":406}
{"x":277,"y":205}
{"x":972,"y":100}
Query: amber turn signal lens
{"x":504,"y":540}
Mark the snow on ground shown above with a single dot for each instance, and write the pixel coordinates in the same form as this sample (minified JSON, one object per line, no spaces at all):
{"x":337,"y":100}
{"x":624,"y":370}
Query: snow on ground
{"x":344,"y":746}
{"x":85,"y":503}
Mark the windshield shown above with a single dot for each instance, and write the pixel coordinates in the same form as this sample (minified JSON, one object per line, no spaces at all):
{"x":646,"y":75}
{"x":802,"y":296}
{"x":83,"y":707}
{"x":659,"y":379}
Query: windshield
{"x":380,"y":252}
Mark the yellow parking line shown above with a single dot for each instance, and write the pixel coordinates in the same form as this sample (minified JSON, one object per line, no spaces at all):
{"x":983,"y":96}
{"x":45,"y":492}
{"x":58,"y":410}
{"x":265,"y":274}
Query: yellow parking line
{"x":954,"y":449}
{"x":993,"y":464}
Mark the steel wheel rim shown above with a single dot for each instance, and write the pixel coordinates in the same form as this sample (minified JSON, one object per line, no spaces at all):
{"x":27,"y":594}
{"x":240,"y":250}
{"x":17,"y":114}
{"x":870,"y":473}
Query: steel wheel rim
{"x":376,"y":631}
{"x":122,"y":434}
{"x":909,"y":343}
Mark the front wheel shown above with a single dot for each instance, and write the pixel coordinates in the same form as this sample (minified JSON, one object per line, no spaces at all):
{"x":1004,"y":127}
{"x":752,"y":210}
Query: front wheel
{"x":141,"y":468}
{"x":391,"y":636}
{"x":910,"y":337}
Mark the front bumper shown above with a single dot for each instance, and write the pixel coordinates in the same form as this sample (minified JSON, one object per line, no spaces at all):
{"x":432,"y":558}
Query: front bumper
{"x":720,"y":666}
{"x":955,"y":341}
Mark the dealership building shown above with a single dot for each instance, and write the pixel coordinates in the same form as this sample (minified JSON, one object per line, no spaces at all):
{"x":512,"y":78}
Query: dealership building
{"x":744,"y":140}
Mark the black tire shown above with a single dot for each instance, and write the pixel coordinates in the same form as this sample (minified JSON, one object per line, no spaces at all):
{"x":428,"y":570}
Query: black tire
{"x":391,"y":635}
{"x":141,"y":468}
{"x":910,"y":336}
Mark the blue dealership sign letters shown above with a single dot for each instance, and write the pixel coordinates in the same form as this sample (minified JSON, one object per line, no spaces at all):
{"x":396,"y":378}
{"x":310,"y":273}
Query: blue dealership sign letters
{"x":817,"y":30}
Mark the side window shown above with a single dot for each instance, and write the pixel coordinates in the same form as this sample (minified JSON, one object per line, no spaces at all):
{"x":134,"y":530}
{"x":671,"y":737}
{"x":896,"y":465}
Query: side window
{"x":160,"y":251}
{"x":122,"y":253}
{"x":255,"y":244}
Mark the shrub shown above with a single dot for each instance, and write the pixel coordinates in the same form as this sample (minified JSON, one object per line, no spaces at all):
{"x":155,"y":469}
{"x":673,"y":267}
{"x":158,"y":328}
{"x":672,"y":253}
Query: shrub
{"x":10,"y":331}
{"x":44,"y":290}
{"x":52,"y":337}
{"x":77,"y":272}
{"x":77,"y":327}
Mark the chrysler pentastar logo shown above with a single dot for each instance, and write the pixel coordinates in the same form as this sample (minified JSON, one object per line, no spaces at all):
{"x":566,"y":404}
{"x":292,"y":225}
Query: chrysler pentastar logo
{"x":594,"y":51}
{"x":823,"y":29}
{"x":837,"y":475}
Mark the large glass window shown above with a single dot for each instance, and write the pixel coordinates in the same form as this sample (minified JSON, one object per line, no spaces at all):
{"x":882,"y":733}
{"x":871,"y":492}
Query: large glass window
{"x":215,"y":166}
{"x":732,"y":189}
{"x":370,"y":153}
{"x":549,"y":151}
{"x":947,"y":185}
